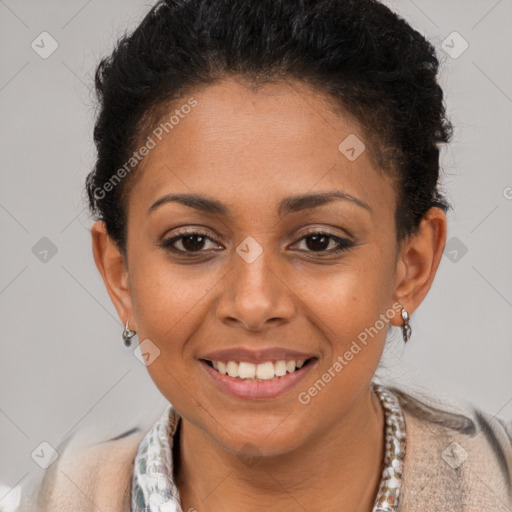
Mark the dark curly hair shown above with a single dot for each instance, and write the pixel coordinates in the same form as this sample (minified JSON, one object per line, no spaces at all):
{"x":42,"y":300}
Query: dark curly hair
{"x":368,"y":59}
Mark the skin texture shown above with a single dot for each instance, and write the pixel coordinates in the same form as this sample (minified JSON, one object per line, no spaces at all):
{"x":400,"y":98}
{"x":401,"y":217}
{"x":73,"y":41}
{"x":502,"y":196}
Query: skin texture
{"x":249,"y":148}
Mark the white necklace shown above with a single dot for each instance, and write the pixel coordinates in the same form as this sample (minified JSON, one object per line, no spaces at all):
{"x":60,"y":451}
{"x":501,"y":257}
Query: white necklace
{"x":154,"y":490}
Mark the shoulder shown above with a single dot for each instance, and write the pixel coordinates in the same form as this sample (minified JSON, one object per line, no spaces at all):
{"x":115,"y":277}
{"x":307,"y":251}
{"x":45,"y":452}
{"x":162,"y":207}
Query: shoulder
{"x":458,"y":457}
{"x":86,"y":477}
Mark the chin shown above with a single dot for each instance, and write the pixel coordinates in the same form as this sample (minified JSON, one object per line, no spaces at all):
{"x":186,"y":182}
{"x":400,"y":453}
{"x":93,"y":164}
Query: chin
{"x":268,"y":436}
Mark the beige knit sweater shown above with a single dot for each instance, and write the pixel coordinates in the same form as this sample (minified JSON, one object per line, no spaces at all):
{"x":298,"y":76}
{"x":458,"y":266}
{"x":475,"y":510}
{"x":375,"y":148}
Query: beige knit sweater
{"x":456,"y":461}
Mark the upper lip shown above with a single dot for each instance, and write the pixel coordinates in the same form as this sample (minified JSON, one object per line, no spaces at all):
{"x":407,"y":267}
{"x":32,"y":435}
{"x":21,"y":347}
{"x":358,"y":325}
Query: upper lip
{"x":256,"y":355}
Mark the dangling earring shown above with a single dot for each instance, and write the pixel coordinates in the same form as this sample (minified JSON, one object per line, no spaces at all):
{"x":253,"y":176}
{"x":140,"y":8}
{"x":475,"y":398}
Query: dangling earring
{"x":128,"y":335}
{"x":406,"y":328}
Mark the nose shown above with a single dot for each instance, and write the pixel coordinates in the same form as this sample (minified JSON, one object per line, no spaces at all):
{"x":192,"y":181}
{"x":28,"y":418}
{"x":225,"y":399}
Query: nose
{"x":256,"y":295}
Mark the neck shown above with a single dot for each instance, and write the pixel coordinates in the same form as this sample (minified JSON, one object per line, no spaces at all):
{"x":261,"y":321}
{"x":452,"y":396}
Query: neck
{"x":339,"y":471}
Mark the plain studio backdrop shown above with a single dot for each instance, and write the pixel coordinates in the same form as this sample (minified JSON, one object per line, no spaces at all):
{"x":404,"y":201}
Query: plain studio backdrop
{"x":63,"y":366}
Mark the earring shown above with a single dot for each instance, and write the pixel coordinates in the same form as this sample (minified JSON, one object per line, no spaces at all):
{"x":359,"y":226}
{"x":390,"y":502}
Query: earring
{"x":127,"y":335}
{"x":406,"y":328}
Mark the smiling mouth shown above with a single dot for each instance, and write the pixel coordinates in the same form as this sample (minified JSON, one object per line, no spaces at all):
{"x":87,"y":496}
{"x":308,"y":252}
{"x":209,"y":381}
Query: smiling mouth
{"x":251,"y":372}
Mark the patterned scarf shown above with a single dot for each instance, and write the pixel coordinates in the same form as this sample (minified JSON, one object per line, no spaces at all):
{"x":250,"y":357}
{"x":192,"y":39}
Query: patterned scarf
{"x":153,"y":488}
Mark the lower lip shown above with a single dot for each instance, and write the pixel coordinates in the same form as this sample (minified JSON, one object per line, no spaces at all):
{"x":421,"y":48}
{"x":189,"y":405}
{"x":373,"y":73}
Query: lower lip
{"x":257,"y":389}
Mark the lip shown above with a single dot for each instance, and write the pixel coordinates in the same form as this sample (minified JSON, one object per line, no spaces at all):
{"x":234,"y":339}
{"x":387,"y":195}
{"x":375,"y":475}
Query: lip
{"x":258,"y":356}
{"x":257,"y":390}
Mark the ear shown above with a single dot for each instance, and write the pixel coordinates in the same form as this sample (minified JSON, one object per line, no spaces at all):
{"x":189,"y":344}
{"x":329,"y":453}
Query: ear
{"x":114,"y":271}
{"x":418,"y":261}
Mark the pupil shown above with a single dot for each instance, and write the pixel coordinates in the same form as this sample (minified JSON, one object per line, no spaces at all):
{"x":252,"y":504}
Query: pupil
{"x":190,"y":245}
{"x":315,"y":246}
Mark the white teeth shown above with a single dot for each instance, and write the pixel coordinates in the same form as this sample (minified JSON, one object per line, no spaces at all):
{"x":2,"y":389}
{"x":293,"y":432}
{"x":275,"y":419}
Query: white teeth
{"x":222,"y":367}
{"x":263,"y":371}
{"x":246,"y":370}
{"x":280,"y":368}
{"x":232,"y":369}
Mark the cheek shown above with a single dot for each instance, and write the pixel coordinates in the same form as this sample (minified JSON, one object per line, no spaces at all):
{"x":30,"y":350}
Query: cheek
{"x":350,"y":319}
{"x":166,"y":303}
{"x":351,"y":315}
{"x":168,"y":307}
{"x":351,"y":309}
{"x":171,"y":305}
{"x":352,"y":294}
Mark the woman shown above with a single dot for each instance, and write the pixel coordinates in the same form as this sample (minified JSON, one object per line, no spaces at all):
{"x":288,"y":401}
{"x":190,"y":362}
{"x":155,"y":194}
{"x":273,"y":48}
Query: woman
{"x":267,"y":205}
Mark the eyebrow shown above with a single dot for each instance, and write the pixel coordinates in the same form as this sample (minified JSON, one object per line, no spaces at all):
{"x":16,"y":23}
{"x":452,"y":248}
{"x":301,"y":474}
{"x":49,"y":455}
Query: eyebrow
{"x":286,"y":206}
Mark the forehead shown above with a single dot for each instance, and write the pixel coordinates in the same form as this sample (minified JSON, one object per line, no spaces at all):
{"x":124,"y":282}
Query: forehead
{"x":259,"y":144}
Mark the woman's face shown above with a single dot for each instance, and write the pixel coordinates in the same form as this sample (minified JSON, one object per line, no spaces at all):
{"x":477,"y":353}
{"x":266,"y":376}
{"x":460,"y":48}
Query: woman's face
{"x":253,"y":278}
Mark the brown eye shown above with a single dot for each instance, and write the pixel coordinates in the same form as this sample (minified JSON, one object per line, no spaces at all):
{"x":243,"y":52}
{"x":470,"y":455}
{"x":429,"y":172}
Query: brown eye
{"x":193,"y":242}
{"x":325,"y":243}
{"x":189,"y":242}
{"x":318,"y":242}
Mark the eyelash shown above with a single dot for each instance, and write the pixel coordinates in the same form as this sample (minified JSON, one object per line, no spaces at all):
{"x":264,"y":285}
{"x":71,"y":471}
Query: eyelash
{"x":344,"y":243}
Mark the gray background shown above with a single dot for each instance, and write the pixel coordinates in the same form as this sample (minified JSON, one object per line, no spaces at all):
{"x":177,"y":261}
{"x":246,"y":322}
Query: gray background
{"x":63,"y":366}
